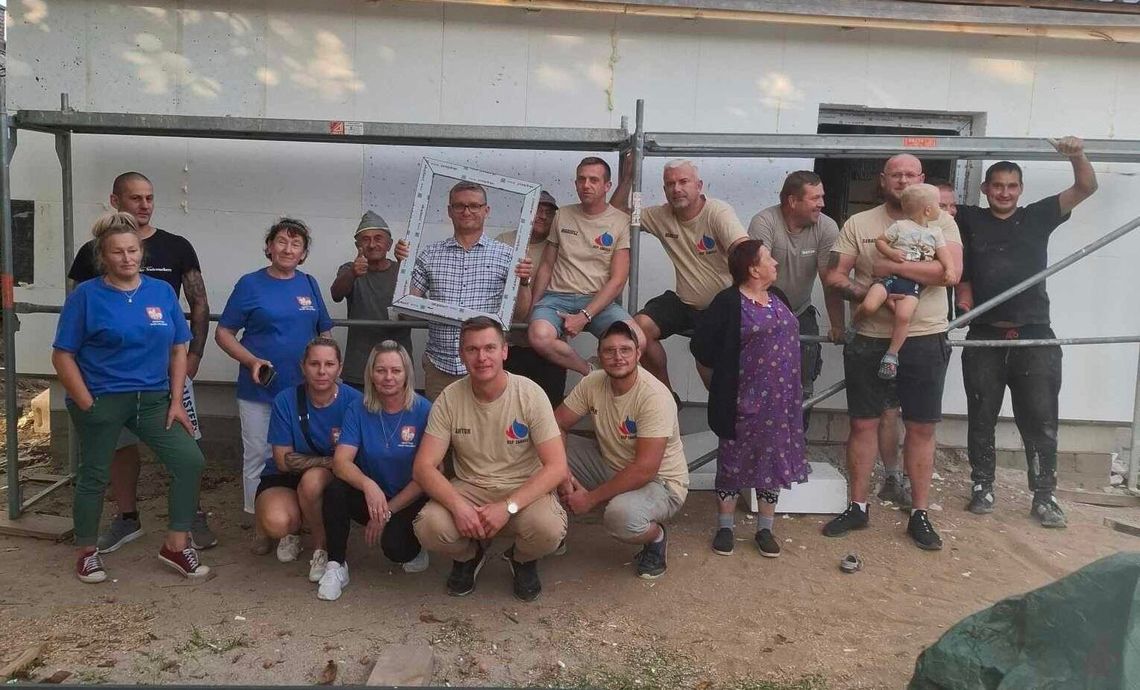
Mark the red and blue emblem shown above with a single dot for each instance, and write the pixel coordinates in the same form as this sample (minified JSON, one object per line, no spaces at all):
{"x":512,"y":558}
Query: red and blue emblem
{"x":518,"y":431}
{"x":706,"y":245}
{"x":605,"y":240}
{"x":628,"y":428}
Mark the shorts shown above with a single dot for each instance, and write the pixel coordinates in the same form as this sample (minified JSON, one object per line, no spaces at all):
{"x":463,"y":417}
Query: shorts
{"x":901,"y":286}
{"x":672,"y":316}
{"x":917,"y":388}
{"x":553,"y":302}
{"x":126,"y":438}
{"x":281,"y":479}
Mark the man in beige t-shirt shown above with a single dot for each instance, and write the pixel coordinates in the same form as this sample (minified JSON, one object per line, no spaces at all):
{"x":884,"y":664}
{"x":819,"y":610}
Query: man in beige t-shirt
{"x":637,"y":465}
{"x":522,"y":359}
{"x":508,"y":457}
{"x":697,"y":233}
{"x":922,"y":360}
{"x":584,"y":268}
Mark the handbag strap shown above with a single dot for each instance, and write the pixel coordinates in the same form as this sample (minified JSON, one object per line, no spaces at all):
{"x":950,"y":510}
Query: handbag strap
{"x":303,"y":420}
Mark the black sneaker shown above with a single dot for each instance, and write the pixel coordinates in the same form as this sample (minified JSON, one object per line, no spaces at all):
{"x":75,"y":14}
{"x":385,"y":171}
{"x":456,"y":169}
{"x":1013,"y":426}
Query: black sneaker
{"x":1047,"y":511}
{"x":651,"y":559}
{"x":723,"y":541}
{"x":766,"y":542}
{"x":922,"y":532}
{"x":461,"y":581}
{"x":895,"y":491}
{"x":852,"y":518}
{"x":981,"y":499}
{"x":527,"y":586}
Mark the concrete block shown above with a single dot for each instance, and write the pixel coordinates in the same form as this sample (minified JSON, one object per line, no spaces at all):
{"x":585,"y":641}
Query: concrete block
{"x":1010,"y":458}
{"x":1099,"y":464}
{"x":838,"y":427}
{"x":1066,"y":463}
{"x":824,"y":493}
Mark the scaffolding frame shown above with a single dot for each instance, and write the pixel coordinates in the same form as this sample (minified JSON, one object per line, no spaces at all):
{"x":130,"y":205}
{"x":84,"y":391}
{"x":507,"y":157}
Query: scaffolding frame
{"x":64,"y":123}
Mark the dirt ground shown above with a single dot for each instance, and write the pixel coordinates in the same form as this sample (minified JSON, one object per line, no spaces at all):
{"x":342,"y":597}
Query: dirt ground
{"x":741,"y":622}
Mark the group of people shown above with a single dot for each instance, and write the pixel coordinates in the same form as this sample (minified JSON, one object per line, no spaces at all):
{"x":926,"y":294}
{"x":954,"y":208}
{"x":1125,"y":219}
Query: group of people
{"x":490,"y":448}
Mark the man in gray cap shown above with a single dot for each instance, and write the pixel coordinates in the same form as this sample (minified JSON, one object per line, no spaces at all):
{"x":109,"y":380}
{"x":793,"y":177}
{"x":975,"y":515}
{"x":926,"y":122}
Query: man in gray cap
{"x":521,"y":357}
{"x":368,"y":282}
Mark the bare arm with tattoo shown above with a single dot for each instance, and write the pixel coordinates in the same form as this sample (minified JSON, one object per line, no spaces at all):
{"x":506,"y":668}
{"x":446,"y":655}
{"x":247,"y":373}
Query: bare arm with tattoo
{"x":195,"y":289}
{"x":288,"y":460}
{"x":838,"y":277}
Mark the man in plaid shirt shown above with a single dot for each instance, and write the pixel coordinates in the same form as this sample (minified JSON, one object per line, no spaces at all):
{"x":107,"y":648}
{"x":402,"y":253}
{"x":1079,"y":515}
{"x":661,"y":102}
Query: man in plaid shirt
{"x":468,"y":270}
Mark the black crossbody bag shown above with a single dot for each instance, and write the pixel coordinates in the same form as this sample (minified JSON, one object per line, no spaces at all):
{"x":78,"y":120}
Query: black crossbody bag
{"x":303,"y":420}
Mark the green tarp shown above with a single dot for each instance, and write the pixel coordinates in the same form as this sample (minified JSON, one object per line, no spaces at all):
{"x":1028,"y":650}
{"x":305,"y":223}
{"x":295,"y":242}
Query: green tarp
{"x":1082,"y":631}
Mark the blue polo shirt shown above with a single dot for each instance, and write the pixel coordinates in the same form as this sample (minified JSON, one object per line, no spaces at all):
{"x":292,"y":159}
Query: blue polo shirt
{"x":277,"y":317}
{"x":122,"y":345}
{"x":325,"y":424}
{"x":386,"y":443}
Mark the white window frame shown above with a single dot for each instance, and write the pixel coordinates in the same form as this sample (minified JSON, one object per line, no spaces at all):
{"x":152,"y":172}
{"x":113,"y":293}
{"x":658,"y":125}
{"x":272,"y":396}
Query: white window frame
{"x":403,"y":302}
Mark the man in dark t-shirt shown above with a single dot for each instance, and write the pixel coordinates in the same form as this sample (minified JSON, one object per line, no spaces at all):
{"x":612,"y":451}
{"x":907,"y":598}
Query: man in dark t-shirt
{"x":170,"y":258}
{"x":368,"y":283}
{"x":1003,"y":245}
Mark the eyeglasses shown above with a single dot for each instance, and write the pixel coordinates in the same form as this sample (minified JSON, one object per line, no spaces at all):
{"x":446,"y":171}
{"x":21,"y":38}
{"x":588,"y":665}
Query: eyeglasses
{"x":615,"y":352}
{"x":471,"y":208}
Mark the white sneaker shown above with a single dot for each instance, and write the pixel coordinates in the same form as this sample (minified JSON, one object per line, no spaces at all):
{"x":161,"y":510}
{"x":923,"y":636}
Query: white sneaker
{"x":417,"y":564}
{"x":333,"y":581}
{"x":317,"y":565}
{"x":289,"y":548}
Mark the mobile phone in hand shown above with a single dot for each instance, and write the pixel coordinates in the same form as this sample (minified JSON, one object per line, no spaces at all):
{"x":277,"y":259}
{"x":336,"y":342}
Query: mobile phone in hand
{"x":266,"y":375}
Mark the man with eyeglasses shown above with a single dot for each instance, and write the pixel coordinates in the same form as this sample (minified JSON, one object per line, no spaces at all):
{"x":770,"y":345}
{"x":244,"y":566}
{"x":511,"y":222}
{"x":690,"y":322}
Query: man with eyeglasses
{"x":368,"y":283}
{"x":468,"y":270}
{"x":917,"y":389}
{"x":636,"y":467}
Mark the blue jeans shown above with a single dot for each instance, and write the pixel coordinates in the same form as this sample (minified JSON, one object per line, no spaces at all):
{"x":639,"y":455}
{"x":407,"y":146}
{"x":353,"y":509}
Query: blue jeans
{"x":553,"y":302}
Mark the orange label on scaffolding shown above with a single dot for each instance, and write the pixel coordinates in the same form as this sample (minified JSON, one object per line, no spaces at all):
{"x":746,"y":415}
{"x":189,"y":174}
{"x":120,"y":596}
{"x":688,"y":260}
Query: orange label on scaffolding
{"x":920,"y":142}
{"x":336,"y":127}
{"x":6,"y":287}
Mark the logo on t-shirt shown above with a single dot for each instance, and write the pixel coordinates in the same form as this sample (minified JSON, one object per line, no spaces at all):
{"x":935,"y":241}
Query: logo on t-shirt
{"x":517,"y":433}
{"x":604,"y":240}
{"x":407,"y":435}
{"x":335,"y":435}
{"x":568,"y":231}
{"x":155,"y":316}
{"x":306,"y":303}
{"x":706,"y":245}
{"x":627,"y":429}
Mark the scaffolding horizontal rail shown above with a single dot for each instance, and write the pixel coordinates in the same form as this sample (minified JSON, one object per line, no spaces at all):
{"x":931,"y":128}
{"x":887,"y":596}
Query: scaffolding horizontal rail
{"x":326,"y":131}
{"x":678,"y":144}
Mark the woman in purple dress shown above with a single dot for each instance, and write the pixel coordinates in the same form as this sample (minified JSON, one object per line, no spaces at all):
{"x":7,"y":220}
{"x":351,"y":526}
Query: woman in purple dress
{"x":750,"y":339}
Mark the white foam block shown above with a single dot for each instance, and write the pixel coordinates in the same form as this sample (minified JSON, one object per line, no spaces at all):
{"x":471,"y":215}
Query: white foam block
{"x":825,"y":492}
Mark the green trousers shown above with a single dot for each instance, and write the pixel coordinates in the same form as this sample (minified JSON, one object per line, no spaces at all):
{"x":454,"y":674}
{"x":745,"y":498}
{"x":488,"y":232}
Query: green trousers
{"x":144,"y":414}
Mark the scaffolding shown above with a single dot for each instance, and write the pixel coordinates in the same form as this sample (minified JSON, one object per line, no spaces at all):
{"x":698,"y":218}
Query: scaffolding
{"x":66,"y":122}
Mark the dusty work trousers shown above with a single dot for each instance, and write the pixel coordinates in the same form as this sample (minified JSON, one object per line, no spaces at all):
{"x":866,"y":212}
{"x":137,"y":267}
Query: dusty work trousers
{"x":627,"y":516}
{"x":143,"y":414}
{"x":537,"y":529}
{"x":1033,"y":375}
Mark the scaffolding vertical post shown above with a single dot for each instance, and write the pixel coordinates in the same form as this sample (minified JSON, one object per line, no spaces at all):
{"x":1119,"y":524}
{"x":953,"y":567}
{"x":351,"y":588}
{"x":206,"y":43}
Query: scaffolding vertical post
{"x":63,"y":152}
{"x":12,"y":415}
{"x":635,"y":204}
{"x":1134,"y":450}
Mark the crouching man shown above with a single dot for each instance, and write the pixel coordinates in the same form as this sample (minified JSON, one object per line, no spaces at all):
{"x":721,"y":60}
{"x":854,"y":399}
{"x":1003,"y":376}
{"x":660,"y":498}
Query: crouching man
{"x":636,"y":468}
{"x":509,"y":459}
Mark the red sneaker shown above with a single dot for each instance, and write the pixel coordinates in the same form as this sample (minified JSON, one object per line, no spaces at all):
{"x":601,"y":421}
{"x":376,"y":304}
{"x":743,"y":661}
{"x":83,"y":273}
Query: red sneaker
{"x":89,"y":568}
{"x":185,"y":562}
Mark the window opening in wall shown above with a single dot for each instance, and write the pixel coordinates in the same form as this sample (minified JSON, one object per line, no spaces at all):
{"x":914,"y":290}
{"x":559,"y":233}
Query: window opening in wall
{"x":23,"y":241}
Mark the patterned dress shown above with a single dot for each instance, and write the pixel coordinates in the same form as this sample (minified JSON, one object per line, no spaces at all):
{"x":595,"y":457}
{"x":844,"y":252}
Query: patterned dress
{"x":768,"y":451}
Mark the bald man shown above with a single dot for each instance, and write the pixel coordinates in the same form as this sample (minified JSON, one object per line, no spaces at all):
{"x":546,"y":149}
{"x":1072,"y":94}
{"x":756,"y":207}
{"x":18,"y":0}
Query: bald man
{"x":922,"y":360}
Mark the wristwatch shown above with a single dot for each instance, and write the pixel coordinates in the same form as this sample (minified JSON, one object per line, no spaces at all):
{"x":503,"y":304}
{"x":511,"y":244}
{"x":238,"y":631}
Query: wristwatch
{"x":512,"y":507}
{"x":588,"y":315}
{"x":525,"y":282}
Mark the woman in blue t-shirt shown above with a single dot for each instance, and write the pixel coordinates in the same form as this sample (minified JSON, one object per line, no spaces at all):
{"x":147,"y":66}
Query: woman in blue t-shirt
{"x":120,"y":353}
{"x":373,"y":467}
{"x":279,"y":309}
{"x":304,"y":429}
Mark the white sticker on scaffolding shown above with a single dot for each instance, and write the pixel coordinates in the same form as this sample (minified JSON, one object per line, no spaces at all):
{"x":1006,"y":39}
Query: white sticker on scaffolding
{"x":635,"y":215}
{"x":354,"y":129}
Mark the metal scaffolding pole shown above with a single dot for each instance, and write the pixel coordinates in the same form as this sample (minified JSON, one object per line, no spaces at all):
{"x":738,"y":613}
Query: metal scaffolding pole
{"x":12,"y":417}
{"x":635,"y":205}
{"x":63,"y":152}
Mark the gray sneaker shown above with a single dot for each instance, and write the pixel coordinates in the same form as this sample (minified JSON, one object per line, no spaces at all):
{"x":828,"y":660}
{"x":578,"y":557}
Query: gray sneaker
{"x":120,"y":531}
{"x":1048,"y":512}
{"x":895,"y":491}
{"x":201,"y":537}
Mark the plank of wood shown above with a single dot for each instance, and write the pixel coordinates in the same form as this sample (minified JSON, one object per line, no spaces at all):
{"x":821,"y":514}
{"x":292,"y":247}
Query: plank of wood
{"x":402,"y":664}
{"x":19,"y":666}
{"x":1123,"y":527}
{"x":1099,"y":498}
{"x":37,"y":525}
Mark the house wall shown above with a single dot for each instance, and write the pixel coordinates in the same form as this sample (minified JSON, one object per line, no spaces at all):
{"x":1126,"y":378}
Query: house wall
{"x":435,"y":63}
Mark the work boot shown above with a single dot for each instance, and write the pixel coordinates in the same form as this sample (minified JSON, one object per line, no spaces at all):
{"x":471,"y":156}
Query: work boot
{"x":1047,"y":511}
{"x":895,"y":491}
{"x":981,"y":499}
